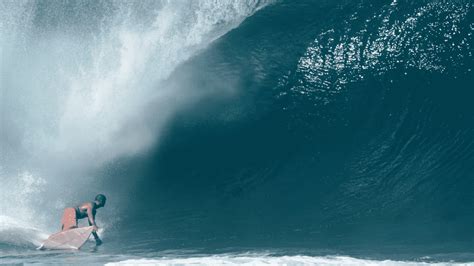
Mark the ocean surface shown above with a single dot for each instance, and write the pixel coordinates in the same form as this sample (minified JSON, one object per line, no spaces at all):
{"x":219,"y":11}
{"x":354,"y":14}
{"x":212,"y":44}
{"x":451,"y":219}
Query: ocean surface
{"x":328,"y":132}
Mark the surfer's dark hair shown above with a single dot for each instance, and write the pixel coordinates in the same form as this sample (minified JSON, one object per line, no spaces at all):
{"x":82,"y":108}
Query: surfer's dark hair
{"x":101,"y":198}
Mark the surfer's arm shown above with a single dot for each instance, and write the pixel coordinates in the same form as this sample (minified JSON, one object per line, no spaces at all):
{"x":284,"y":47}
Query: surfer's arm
{"x":93,"y":224}
{"x":98,"y":241}
{"x":94,"y":233}
{"x":96,"y":237}
{"x":90,"y":215}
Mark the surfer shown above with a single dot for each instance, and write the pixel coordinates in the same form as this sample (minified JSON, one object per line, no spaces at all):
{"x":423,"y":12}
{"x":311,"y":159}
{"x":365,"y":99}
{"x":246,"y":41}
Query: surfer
{"x":87,"y":209}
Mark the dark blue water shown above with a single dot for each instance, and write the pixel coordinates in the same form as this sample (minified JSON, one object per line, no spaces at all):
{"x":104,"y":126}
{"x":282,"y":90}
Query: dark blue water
{"x":321,"y":128}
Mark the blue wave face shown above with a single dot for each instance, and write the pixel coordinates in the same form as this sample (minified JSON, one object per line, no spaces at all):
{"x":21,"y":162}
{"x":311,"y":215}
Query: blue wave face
{"x":344,"y":123}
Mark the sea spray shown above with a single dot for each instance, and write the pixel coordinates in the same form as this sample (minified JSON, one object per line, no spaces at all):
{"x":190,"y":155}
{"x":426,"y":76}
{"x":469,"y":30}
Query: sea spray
{"x":76,"y":77}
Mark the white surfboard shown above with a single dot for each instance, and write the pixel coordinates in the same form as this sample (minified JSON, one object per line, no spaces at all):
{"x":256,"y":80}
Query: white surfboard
{"x":69,"y":239}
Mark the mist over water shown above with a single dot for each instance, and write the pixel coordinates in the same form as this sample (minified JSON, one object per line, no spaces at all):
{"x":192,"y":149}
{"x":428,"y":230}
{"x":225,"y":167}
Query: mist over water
{"x":76,"y":79}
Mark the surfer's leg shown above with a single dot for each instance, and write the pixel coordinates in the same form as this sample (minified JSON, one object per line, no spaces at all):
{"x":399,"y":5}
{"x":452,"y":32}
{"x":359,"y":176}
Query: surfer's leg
{"x":69,"y":219}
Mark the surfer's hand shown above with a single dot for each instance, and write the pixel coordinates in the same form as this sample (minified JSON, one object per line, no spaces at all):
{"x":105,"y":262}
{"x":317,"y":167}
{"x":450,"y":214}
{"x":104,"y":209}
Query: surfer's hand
{"x":98,"y":242}
{"x":95,"y":228}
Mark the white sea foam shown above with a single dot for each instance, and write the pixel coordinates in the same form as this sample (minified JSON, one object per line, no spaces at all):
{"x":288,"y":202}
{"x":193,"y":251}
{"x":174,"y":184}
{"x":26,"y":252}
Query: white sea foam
{"x":268,"y":260}
{"x":14,"y":232}
{"x":19,"y":225}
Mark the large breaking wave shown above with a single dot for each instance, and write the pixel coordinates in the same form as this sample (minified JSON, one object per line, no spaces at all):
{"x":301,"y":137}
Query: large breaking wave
{"x":82,"y":84}
{"x":340,"y":125}
{"x":351,"y":126}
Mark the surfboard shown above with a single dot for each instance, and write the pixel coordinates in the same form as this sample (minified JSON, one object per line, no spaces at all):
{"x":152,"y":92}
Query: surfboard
{"x":69,"y":239}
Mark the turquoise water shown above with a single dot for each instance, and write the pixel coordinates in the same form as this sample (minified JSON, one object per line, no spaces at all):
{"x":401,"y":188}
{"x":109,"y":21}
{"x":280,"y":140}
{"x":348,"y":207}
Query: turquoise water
{"x":298,"y":132}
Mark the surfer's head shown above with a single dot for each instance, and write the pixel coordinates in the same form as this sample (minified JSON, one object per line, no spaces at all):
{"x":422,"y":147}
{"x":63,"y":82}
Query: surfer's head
{"x":101,"y":199}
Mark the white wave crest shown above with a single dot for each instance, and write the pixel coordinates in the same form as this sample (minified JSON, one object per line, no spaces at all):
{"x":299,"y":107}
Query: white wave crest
{"x":268,"y":260}
{"x":14,"y":232}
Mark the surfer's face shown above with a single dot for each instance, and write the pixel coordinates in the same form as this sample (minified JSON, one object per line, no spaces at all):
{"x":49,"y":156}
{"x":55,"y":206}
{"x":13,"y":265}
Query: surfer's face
{"x":101,"y":204}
